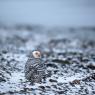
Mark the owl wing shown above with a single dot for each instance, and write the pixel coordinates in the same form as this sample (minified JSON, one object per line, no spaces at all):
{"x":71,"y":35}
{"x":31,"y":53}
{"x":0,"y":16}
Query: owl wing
{"x":29,"y":70}
{"x":28,"y":66}
{"x":42,"y":69}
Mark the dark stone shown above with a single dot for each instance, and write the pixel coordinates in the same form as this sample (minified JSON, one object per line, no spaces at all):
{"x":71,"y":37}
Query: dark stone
{"x":10,"y":92}
{"x":60,"y":92}
{"x":2,"y":79}
{"x":4,"y":51}
{"x":42,"y":87}
{"x":91,"y":67}
{"x":51,"y":80}
{"x":48,"y":86}
{"x":56,"y":71}
{"x":61,"y":61}
{"x":3,"y":59}
{"x":52,"y":65}
{"x":93,"y":76}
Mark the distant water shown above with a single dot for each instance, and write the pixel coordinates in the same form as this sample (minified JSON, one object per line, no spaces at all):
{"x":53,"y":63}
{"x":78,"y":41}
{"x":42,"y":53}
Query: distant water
{"x":48,"y":12}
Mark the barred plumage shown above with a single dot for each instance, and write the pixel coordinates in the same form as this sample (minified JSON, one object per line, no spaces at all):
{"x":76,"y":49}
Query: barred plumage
{"x":35,"y":69}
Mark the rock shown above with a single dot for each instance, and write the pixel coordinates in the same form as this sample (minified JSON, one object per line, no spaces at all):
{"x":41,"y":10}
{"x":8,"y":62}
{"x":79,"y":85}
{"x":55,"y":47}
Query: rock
{"x":42,"y":87}
{"x":4,"y":51}
{"x":55,"y":71}
{"x":48,"y":87}
{"x":52,"y":65}
{"x":75,"y":82}
{"x":52,"y":80}
{"x":10,"y":92}
{"x":91,"y":67}
{"x":93,"y":76}
{"x":61,"y":61}
{"x":60,"y":92}
{"x":2,"y":79}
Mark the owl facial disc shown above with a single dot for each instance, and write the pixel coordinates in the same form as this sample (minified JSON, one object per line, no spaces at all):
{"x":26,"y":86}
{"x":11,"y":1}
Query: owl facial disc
{"x":36,"y":54}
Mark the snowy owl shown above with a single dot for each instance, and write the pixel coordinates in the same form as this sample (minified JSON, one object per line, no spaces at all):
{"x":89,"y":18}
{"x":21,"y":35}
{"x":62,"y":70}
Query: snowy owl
{"x":35,"y":67}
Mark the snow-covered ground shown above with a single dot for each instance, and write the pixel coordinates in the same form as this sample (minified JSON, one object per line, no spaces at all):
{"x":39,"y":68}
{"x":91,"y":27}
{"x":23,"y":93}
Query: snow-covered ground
{"x":70,"y":58}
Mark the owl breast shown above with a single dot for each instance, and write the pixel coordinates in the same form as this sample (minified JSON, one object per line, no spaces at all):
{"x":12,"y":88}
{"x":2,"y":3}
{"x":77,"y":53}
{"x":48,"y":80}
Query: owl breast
{"x":35,"y":70}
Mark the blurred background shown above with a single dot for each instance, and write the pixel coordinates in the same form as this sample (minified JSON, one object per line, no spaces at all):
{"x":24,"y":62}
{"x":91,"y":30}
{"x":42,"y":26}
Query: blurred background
{"x":48,"y":12}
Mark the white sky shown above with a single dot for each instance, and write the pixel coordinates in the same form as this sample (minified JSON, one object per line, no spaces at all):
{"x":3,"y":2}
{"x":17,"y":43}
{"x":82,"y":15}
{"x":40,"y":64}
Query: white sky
{"x":48,"y":12}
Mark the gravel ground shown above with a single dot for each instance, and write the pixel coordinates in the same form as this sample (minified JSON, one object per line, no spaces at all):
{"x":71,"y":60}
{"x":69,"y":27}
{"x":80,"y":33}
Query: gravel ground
{"x":70,"y":55}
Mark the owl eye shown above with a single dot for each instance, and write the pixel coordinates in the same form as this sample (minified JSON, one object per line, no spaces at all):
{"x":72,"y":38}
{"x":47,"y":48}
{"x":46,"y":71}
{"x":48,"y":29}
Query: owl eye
{"x":37,"y":53}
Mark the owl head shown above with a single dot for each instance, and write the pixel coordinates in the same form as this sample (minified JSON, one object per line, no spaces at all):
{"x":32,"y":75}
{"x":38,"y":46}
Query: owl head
{"x":36,"y":54}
